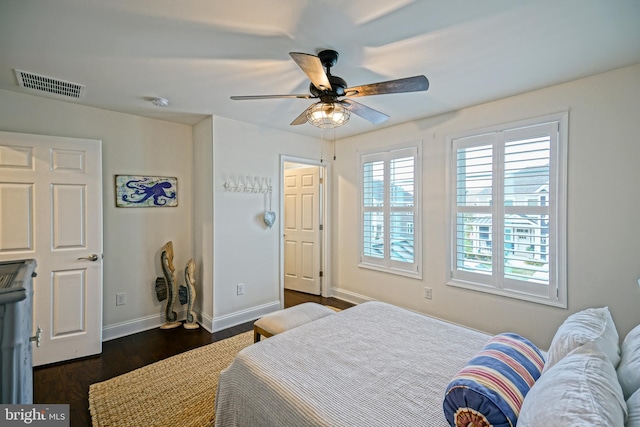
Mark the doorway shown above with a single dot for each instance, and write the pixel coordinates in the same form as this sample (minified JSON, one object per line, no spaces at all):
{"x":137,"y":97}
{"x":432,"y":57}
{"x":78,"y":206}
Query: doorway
{"x":304,"y":226}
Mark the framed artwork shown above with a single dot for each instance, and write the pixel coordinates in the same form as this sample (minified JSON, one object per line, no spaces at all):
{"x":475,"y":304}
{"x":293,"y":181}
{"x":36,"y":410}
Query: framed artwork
{"x":134,"y":191}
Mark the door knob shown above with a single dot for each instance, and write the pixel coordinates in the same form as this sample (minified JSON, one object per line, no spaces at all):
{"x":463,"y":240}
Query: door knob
{"x":92,"y":257}
{"x":36,"y":338}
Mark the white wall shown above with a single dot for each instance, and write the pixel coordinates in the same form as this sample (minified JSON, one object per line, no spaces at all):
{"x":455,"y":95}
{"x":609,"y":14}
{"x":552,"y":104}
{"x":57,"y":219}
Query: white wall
{"x":603,"y":206}
{"x":133,"y":237}
{"x":203,"y":233}
{"x":604,"y":236}
{"x":245,"y":249}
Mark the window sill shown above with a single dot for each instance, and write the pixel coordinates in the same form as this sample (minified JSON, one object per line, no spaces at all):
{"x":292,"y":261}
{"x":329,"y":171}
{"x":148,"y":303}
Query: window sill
{"x":395,"y":271}
{"x":487,"y":289}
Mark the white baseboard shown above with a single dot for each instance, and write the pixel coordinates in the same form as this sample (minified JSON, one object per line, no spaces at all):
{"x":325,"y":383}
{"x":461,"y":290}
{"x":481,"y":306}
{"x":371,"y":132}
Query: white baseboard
{"x":215,"y":324}
{"x":349,"y":296}
{"x":205,"y":321}
{"x":211,"y":325}
{"x":228,"y":320}
{"x":134,"y":326}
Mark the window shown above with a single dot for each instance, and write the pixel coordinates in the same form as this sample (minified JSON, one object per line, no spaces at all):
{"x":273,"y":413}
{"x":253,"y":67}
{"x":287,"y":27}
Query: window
{"x":508,"y":202}
{"x":390,"y":221}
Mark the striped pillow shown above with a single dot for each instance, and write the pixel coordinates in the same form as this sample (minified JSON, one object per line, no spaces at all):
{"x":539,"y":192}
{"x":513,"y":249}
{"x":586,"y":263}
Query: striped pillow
{"x":490,"y":389}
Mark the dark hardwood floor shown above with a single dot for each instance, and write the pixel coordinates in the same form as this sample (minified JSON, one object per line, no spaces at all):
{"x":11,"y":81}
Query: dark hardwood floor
{"x":294,"y":298}
{"x":69,"y":382}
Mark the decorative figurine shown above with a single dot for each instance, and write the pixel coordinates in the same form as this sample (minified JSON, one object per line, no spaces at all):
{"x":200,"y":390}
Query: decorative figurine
{"x":188,"y":295}
{"x":170,"y":288}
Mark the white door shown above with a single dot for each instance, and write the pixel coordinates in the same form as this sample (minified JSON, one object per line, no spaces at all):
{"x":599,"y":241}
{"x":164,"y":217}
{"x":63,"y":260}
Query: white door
{"x":51,"y":210}
{"x":302,"y":230}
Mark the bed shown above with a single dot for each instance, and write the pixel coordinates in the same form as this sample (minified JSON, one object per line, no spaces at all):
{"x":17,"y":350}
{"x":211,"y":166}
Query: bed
{"x":379,"y":365}
{"x":372,"y":365}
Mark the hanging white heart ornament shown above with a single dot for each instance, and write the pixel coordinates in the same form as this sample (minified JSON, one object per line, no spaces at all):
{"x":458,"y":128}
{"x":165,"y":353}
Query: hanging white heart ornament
{"x":269,"y":218}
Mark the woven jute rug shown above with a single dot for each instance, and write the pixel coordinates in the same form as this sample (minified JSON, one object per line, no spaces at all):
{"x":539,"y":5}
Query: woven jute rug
{"x":178,"y":391}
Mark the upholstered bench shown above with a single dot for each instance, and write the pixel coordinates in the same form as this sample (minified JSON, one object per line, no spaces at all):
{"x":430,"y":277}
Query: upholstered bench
{"x":283,"y":320}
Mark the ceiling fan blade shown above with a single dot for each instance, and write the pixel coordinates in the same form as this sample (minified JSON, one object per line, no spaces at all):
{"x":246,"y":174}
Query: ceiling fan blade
{"x":312,"y":67}
{"x":408,"y":84}
{"x":241,"y":98}
{"x":367,"y":113}
{"x":302,"y":118}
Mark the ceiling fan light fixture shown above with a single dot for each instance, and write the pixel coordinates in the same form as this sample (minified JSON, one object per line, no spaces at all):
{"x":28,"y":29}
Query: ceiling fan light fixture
{"x":328,"y":115}
{"x":332,"y":112}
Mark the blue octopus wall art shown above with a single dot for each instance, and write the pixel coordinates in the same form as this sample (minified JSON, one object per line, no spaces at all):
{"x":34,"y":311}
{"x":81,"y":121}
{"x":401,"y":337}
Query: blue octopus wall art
{"x":146,"y":191}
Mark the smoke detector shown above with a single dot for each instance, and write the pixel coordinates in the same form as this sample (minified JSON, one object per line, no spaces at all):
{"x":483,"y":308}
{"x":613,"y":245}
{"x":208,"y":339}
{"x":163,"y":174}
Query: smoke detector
{"x":49,"y":84}
{"x":160,"y":102}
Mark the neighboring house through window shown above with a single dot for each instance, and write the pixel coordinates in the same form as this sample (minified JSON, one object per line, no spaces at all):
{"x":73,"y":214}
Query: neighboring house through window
{"x":389,"y":211}
{"x":508,"y":201}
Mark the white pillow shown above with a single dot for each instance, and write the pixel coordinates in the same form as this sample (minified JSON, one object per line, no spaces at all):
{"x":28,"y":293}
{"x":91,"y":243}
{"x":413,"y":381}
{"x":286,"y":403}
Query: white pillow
{"x":580,"y":390}
{"x":592,"y":324}
{"x":633,"y":406}
{"x":629,"y":367}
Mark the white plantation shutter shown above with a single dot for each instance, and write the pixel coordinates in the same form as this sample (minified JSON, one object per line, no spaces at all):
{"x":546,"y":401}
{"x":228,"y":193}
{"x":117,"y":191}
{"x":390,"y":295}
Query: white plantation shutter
{"x":474,"y":201}
{"x":390,"y":237}
{"x":508,"y":223}
{"x":401,"y":207}
{"x":527,"y":179}
{"x":373,"y":209}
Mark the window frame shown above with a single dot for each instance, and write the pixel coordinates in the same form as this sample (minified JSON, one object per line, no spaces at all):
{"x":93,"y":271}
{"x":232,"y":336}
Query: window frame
{"x":386,"y":264}
{"x":555,"y":294}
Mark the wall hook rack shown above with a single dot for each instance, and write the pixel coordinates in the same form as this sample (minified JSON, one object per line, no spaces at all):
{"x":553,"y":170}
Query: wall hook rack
{"x":248,"y":184}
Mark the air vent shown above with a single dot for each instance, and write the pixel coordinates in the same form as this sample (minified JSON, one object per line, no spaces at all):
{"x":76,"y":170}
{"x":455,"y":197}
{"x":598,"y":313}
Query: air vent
{"x":49,"y":84}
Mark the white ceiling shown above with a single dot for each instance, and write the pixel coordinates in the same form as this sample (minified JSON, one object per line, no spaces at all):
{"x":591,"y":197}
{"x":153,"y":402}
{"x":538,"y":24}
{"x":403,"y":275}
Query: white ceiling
{"x":197,"y":53}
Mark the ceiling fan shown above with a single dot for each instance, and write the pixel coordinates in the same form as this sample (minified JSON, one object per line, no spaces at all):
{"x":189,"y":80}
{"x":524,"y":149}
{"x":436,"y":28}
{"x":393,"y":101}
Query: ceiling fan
{"x":330,"y":111}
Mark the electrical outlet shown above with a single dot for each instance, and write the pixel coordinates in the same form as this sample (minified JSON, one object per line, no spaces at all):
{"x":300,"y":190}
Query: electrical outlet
{"x":427,"y":293}
{"x":121,"y":298}
{"x":240,"y":289}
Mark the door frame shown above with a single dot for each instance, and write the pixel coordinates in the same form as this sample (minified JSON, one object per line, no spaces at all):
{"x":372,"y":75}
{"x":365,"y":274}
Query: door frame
{"x":325,"y":234}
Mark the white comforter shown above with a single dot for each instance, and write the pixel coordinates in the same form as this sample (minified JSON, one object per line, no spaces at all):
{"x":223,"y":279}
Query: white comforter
{"x":371,"y":365}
